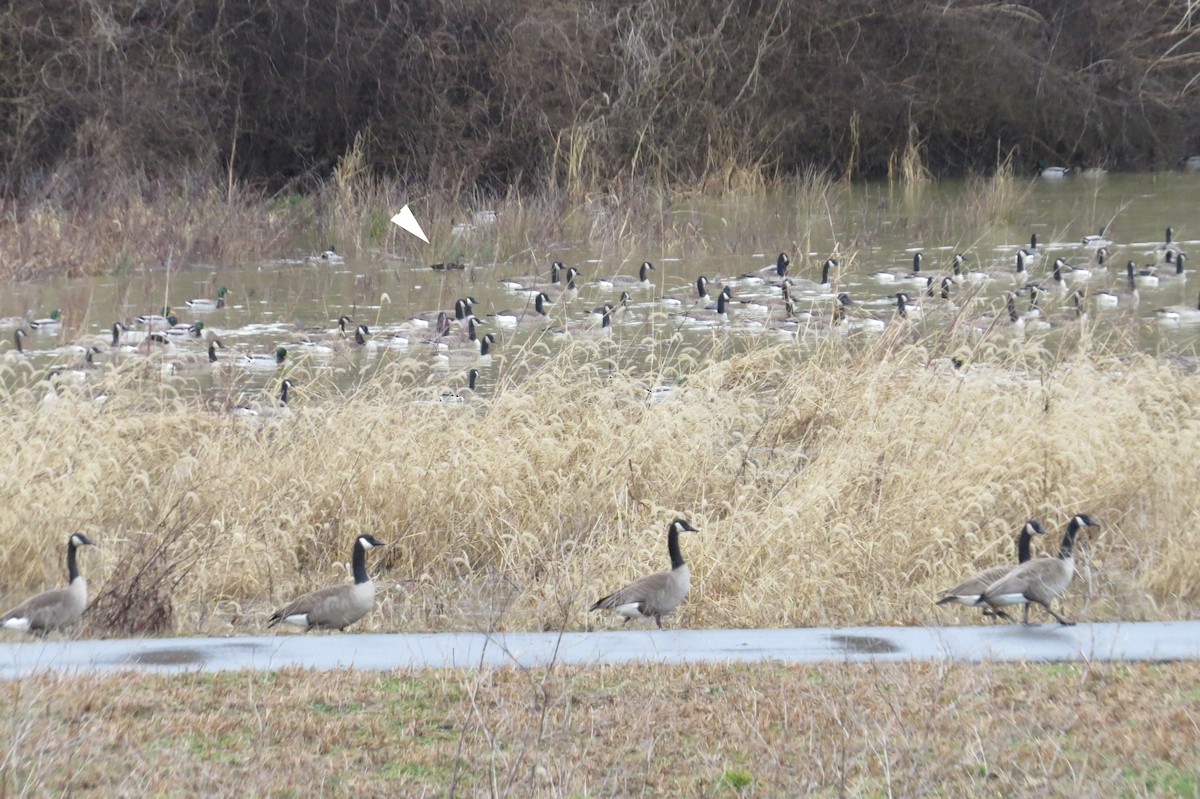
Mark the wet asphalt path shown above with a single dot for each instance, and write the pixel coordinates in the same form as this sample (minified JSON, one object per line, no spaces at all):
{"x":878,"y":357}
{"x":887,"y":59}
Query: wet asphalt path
{"x":1121,"y":641}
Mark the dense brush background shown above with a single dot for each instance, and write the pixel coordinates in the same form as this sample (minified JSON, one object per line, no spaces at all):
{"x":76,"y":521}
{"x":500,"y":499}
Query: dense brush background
{"x":474,"y":94}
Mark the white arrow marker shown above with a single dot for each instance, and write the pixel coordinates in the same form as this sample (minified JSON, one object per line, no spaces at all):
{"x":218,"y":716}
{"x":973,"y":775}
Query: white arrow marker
{"x":406,"y":220}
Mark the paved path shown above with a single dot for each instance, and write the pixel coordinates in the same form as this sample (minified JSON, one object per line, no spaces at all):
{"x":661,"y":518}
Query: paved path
{"x":1156,"y":641}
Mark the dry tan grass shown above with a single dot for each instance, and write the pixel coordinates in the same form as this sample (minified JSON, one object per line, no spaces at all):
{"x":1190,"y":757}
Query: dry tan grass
{"x":842,"y":484}
{"x":770,"y":730}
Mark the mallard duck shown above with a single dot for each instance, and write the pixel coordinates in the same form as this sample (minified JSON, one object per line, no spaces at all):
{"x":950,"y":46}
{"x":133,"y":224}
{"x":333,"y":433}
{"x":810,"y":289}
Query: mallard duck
{"x":157,"y":322}
{"x":331,"y":256}
{"x":48,"y":324}
{"x":1052,"y":172}
{"x":203,"y":304}
{"x":262,"y":361}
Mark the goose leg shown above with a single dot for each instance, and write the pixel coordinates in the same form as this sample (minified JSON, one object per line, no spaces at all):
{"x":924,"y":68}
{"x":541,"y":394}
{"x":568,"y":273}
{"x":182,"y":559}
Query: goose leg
{"x":1025,"y":618}
{"x":1001,"y":614}
{"x":1060,"y":619}
{"x":658,"y":621}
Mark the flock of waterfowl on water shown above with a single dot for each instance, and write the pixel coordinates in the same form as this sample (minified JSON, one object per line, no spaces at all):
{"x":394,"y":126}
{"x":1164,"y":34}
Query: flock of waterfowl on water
{"x":768,"y":298}
{"x":1032,"y":288}
{"x":1031,"y":581}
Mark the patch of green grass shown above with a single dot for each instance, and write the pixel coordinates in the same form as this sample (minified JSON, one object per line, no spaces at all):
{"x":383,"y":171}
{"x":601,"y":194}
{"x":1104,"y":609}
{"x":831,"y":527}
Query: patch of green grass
{"x":1165,"y":779}
{"x":737,"y":779}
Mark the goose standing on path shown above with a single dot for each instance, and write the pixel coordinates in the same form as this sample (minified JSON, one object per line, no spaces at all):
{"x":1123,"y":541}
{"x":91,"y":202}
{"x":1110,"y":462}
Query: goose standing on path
{"x":969,"y":590}
{"x":654,"y":595}
{"x":1039,"y":581}
{"x":57,"y":607}
{"x":337,"y":606}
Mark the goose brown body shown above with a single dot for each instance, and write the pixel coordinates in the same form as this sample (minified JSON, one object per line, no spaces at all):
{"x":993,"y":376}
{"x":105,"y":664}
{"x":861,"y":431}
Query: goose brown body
{"x":969,"y":590}
{"x":1040,"y":581}
{"x":654,"y":595}
{"x":337,"y":606}
{"x":57,"y":607}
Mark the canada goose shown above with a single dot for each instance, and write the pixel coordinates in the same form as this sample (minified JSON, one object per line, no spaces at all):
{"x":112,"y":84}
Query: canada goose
{"x":969,"y":590}
{"x":769,"y":305}
{"x":252,"y":410}
{"x":1146,"y":277}
{"x":563,"y":290}
{"x":610,"y":309}
{"x":811,"y":287}
{"x":654,"y":595}
{"x":77,"y":374}
{"x":1018,"y":277}
{"x":828,"y":317}
{"x":530,"y":282}
{"x":1126,"y":295}
{"x":463,"y":309}
{"x":628,"y":281}
{"x":604,"y":317}
{"x":1073,"y":274}
{"x":444,"y":342}
{"x":463,"y":394}
{"x":49,"y":324}
{"x":1176,"y":275}
{"x":1179,"y":313}
{"x":961,"y":273}
{"x":337,"y":606}
{"x":475,"y":350}
{"x":1032,"y":253}
{"x":707,"y":317}
{"x":262,"y":361}
{"x":701,"y":296}
{"x":996,"y":321}
{"x":777,"y":271}
{"x":1169,"y":245}
{"x":1041,"y":580}
{"x":203,"y":304}
{"x":906,"y":306}
{"x":57,"y":607}
{"x":1060,"y":282}
{"x":515,"y":317}
{"x":901,"y":276}
{"x":620,"y":308}
{"x":1098,"y":241}
{"x":318,"y":338}
{"x":124,"y":339}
